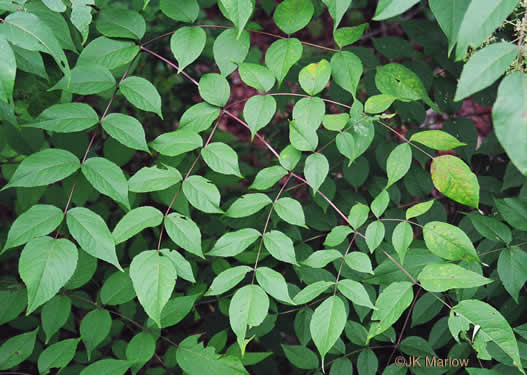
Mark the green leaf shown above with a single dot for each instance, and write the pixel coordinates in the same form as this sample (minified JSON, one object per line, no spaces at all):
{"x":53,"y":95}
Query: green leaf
{"x":183,"y":267}
{"x":256,"y":76}
{"x":327,"y":324}
{"x":109,"y":53}
{"x":273,"y":283}
{"x":126,"y":130}
{"x":238,"y":11}
{"x":355,"y":292}
{"x":30,"y":62}
{"x":290,"y":156}
{"x":43,"y":168}
{"x":391,"y":8}
{"x":45,"y":265}
{"x":312,"y":291}
{"x":492,"y":326}
{"x":182,"y":10}
{"x":512,"y":269}
{"x":400,"y":82}
{"x":380,"y":203}
{"x":258,"y":111}
{"x":221,"y":158}
{"x":378,"y":103}
{"x":95,"y":327}
{"x":17,"y":349}
{"x":308,"y":113}
{"x":349,"y":35}
{"x":154,"y":278}
{"x":7,"y":71}
{"x":337,"y":235}
{"x":214,"y":89}
{"x":120,"y":23}
{"x":449,"y":15}
{"x":314,"y":77}
{"x":337,"y":9}
{"x":452,"y":177}
{"x":177,"y":142}
{"x":149,"y":179}
{"x":419,"y":209}
{"x":117,"y":289}
{"x":27,"y":31}
{"x":195,"y":359}
{"x":66,"y":118}
{"x":491,"y":228}
{"x":229,"y":50}
{"x":58,"y":355}
{"x":300,"y":356}
{"x":302,"y":137}
{"x":187,"y":44}
{"x":202,"y":194}
{"x":398,"y":163}
{"x":346,"y":69}
{"x":290,"y":210}
{"x":358,"y":215}
{"x":248,"y":308}
{"x":481,"y":19}
{"x":248,"y":204}
{"x":199,"y":117}
{"x":267,"y":177}
{"x":184,"y":232}
{"x":346,"y":146}
{"x":363,"y":134}
{"x":280,"y":246}
{"x":141,"y":349}
{"x":281,"y":55}
{"x":402,"y":238}
{"x":293,"y":15}
{"x":108,"y":366}
{"x":107,"y":178}
{"x":15,"y":301}
{"x":437,"y":140}
{"x":335,"y":122}
{"x":514,"y":211}
{"x":136,"y":221}
{"x":359,"y":262}
{"x":448,"y":241}
{"x":227,"y":280}
{"x":39,"y":220}
{"x":54,"y":315}
{"x":343,"y":366}
{"x":81,"y":16}
{"x":233,"y":243}
{"x":484,"y":68}
{"x":374,"y":235}
{"x":439,"y":277}
{"x":510,"y":122}
{"x":316,"y":170}
{"x":92,"y":234}
{"x":86,"y":80}
{"x":141,"y":94}
{"x":391,"y":303}
{"x":322,"y":258}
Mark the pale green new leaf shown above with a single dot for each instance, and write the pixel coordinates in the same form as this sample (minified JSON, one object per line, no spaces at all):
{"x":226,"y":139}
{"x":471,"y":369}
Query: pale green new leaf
{"x":248,"y":204}
{"x":440,"y":277}
{"x":92,"y":234}
{"x":436,"y":139}
{"x":126,"y":130}
{"x":39,"y":220}
{"x":233,"y":243}
{"x":452,"y":177}
{"x":378,"y":103}
{"x":221,"y":158}
{"x":448,"y":241}
{"x":227,"y":280}
{"x":327,"y":324}
{"x":43,"y":168}
{"x":186,"y":44}
{"x":335,"y":122}
{"x":107,"y":178}
{"x":184,"y":232}
{"x":154,"y":278}
{"x":418,"y":209}
{"x":135,"y":221}
{"x":202,"y":194}
{"x":45,"y":266}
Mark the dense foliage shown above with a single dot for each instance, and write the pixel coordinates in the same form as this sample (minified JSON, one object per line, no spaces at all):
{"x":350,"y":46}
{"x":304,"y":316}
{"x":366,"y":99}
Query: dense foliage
{"x":251,"y":186}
